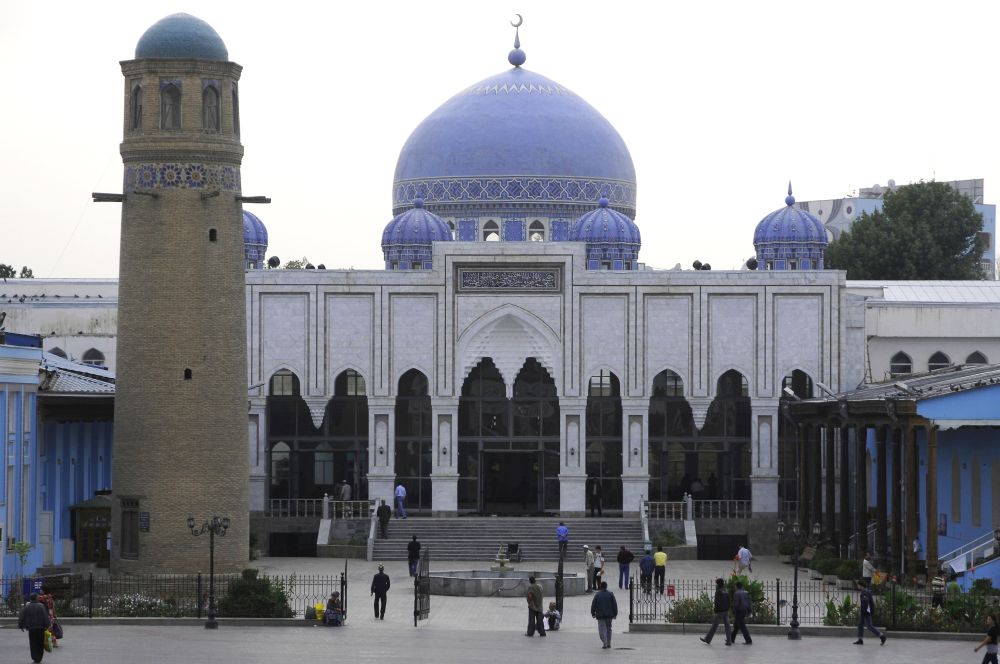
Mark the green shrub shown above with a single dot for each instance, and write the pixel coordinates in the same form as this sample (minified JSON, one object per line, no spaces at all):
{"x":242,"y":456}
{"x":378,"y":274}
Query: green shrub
{"x":252,"y":596}
{"x":849,"y":570}
{"x":789,"y":548}
{"x":984,"y":587}
{"x":692,"y":610}
{"x":137,"y":605}
{"x":826,"y":566}
{"x":667,"y":538}
{"x":841,"y":613}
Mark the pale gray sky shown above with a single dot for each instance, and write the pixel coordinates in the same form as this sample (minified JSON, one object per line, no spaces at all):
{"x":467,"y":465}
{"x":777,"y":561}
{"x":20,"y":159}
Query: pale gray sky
{"x":720,"y":103}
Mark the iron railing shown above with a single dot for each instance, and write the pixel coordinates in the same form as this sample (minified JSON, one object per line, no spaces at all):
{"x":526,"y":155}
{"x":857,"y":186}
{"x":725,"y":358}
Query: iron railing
{"x":318,"y":508}
{"x":667,"y":511}
{"x":722,"y":509}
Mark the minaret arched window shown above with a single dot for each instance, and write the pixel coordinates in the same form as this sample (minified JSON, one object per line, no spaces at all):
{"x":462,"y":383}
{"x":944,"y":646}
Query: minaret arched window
{"x":976,"y":358}
{"x":900,"y":364}
{"x":491,"y":232}
{"x":210,"y":108}
{"x":536,"y":232}
{"x":938,"y":361}
{"x":135,"y":111}
{"x":236,"y":110}
{"x":170,"y":106}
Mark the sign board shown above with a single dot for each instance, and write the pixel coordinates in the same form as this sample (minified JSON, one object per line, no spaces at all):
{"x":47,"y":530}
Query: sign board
{"x":671,"y":590}
{"x":143,"y":522}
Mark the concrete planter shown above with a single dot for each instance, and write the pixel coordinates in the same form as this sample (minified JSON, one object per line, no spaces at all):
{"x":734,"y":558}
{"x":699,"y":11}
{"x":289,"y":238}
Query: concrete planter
{"x":341,"y":551}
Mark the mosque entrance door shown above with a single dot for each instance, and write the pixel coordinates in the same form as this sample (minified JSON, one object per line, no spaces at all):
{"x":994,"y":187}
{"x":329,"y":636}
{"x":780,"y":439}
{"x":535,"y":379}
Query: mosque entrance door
{"x":511,"y":482}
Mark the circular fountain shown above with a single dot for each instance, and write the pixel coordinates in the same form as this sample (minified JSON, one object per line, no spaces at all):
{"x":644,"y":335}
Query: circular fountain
{"x":501,"y":583}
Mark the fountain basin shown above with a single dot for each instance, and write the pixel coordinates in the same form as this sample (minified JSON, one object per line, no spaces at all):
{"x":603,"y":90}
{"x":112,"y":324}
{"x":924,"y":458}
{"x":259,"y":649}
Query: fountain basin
{"x":508,"y":583}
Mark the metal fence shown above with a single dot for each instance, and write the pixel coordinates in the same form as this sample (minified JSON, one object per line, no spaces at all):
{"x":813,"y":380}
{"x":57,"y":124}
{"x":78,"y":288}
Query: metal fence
{"x":898,"y":607}
{"x":319,"y":508}
{"x":721,"y":509}
{"x":172,"y":596}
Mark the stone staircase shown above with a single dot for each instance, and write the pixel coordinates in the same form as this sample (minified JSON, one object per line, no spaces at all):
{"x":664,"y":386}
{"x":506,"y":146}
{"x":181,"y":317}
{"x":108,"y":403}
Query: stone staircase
{"x":479,"y":538}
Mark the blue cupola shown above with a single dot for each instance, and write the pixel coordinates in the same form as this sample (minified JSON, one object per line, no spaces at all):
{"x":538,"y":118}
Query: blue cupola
{"x":181,"y":37}
{"x":612,"y":238}
{"x":254,"y":241}
{"x":790,"y":239}
{"x":406,"y":240}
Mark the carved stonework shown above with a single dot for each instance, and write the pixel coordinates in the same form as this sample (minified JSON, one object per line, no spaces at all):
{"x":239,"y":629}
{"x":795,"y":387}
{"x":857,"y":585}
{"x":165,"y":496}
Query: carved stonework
{"x":547,"y":279}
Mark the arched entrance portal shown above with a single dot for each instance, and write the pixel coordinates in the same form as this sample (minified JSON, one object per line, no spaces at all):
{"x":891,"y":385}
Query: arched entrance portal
{"x":508,"y":449}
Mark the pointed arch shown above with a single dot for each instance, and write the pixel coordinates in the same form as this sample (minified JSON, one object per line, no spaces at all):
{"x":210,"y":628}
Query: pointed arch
{"x":284,"y":383}
{"x":732,"y":383}
{"x":800,"y":382}
{"x":900,"y":364}
{"x":170,"y":106}
{"x":976,"y":357}
{"x":668,"y":382}
{"x":938,"y":361}
{"x":93,"y":357}
{"x":59,"y":352}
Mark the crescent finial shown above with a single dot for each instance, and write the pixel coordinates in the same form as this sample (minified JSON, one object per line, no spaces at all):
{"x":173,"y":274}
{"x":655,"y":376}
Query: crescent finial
{"x":520,"y":20}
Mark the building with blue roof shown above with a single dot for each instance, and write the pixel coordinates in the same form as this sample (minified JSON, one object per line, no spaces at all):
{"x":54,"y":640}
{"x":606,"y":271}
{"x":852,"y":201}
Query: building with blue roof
{"x":790,"y":239}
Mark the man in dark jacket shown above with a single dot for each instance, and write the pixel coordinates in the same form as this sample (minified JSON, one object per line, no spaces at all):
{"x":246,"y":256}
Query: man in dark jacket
{"x":413,"y":555}
{"x":605,"y":609}
{"x":625,"y":559}
{"x":866,"y":609}
{"x":646,"y":567}
{"x":34,"y":617}
{"x":384,"y":514}
{"x":535,"y":616}
{"x":721,"y":612}
{"x":741,"y":609}
{"x":594,"y":495}
{"x":380,"y":586}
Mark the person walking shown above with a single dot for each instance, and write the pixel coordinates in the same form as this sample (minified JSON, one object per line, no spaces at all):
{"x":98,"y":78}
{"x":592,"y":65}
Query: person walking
{"x":646,"y":568}
{"x":400,"y":501}
{"x":937,"y":590}
{"x":866,"y":609}
{"x":384,"y":513}
{"x":867,"y":570}
{"x":562,"y":536}
{"x":598,"y":566}
{"x":604,"y":608}
{"x":721,"y":608}
{"x":380,"y":588}
{"x":589,"y":557}
{"x":413,"y":555}
{"x":743,"y":559}
{"x":534,"y":598}
{"x":741,"y":609}
{"x":594,"y":491}
{"x":659,"y":568}
{"x":990,"y":641}
{"x":34,"y":617}
{"x":625,"y":558}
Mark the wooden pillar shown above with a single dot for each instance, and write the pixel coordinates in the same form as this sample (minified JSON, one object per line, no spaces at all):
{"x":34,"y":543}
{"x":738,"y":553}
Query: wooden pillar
{"x":861,"y":485}
{"x":932,"y":503}
{"x":900,"y":544}
{"x":845,"y":490}
{"x":881,"y":497}
{"x":816,"y":478}
{"x":829,"y":509}
{"x":912,"y":498}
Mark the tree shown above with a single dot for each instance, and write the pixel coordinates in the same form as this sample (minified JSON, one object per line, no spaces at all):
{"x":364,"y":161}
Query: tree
{"x":296,"y":265}
{"x":926,"y":230}
{"x":9,"y":272}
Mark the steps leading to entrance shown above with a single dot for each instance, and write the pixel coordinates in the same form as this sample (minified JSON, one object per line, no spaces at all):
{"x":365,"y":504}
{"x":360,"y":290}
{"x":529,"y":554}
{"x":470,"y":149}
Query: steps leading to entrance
{"x":478,"y":538}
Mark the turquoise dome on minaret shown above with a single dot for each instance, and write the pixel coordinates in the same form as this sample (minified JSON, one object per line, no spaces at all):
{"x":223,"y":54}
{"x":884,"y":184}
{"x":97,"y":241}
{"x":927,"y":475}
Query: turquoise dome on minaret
{"x":183,"y":37}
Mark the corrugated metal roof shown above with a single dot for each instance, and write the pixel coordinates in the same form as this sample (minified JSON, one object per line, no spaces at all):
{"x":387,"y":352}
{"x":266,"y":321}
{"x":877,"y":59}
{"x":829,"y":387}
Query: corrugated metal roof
{"x":926,"y":385}
{"x":934,"y":292}
{"x":61,"y":376}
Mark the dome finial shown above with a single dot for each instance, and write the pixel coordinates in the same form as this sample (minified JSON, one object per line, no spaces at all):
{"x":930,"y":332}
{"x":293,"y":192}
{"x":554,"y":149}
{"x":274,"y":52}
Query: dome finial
{"x":517,"y":57}
{"x":789,"y":200}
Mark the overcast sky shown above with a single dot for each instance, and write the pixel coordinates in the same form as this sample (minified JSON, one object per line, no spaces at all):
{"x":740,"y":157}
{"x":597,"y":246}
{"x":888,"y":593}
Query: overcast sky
{"x":720,"y":104}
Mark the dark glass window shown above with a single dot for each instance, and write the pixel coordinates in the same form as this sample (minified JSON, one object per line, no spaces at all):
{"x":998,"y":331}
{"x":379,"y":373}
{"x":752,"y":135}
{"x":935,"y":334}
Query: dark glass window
{"x":668,"y":384}
{"x":284,"y":384}
{"x":900,"y":364}
{"x":135,"y":111}
{"x":130,"y":528}
{"x":93,"y":357}
{"x":973,"y":358}
{"x":210,"y":108}
{"x":938,"y":361}
{"x":170,"y":107}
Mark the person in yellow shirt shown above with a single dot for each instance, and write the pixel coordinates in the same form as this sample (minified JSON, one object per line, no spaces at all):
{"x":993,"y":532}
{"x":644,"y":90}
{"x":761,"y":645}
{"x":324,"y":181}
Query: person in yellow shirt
{"x":659,"y":568}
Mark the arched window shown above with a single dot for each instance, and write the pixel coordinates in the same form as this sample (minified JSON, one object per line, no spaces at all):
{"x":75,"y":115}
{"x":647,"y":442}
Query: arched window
{"x":170,"y":107}
{"x":605,"y":453}
{"x":236,"y":110}
{"x":94,"y":357}
{"x":603,"y":384}
{"x":536,"y":231}
{"x":900,"y":364}
{"x":976,"y":358}
{"x":668,"y":384}
{"x":210,"y":108}
{"x":670,"y":423}
{"x":414,"y":457}
{"x":280,"y":467}
{"x":349,"y":384}
{"x":938,"y":361}
{"x":136,"y":109}
{"x":284,"y":384}
{"x":491,"y":232}
{"x":732,"y":384}
{"x":213,"y":236}
{"x":58,"y":352}
{"x":451,"y":227}
{"x":798,"y":382}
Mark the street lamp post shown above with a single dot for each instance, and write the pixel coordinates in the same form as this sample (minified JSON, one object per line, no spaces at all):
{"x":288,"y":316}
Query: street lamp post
{"x":217,"y":526}
{"x":795,"y":536}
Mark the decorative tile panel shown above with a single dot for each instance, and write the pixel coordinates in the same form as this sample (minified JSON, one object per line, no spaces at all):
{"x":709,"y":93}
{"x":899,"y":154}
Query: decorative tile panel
{"x":475,"y":279}
{"x":521,"y":188}
{"x":182,"y":176}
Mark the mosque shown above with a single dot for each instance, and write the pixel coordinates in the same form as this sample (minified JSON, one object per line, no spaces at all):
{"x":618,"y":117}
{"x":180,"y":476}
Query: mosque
{"x":514,"y":353}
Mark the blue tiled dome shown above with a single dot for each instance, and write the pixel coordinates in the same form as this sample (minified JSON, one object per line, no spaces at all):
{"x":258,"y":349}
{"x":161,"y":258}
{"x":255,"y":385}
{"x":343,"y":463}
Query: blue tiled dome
{"x":254,"y":240}
{"x":512,"y":141}
{"x":612,"y":238}
{"x":181,"y":36}
{"x":406,"y":240}
{"x":787,"y":234}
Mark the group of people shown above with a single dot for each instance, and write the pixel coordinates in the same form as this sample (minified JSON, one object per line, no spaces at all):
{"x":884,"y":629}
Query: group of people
{"x":38,"y":618}
{"x":603,"y":608}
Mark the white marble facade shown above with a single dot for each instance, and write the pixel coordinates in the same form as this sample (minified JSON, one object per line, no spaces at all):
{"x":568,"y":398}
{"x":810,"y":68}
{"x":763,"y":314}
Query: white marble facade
{"x":574,"y":322}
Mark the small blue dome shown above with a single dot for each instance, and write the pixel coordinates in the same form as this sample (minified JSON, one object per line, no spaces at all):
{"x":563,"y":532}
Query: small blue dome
{"x":605,"y":225}
{"x":181,"y":36}
{"x":406,"y":240}
{"x":790,"y":239}
{"x":254,"y":240}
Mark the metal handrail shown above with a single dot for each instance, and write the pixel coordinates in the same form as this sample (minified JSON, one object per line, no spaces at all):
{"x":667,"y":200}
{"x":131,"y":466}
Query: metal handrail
{"x":990,"y":540}
{"x":722,"y":509}
{"x":672,"y":510}
{"x":314,"y":508}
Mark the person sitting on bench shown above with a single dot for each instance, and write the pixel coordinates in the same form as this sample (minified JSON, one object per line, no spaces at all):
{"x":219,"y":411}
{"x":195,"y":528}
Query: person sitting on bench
{"x":334,"y":610}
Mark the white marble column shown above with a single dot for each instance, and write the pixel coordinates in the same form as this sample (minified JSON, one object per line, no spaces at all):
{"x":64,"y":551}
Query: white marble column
{"x":444,"y":451}
{"x":257,"y":452}
{"x":572,"y":456}
{"x":764,"y":416}
{"x":635,"y":454}
{"x":381,"y":448}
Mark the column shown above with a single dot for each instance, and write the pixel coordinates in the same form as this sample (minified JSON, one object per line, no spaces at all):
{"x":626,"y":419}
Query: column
{"x":257,"y":453}
{"x":381,"y":448}
{"x":845,"y":490}
{"x":912,"y":494}
{"x":635,"y":455}
{"x":900,"y":545}
{"x":931,"y":546}
{"x":573,"y":457}
{"x":804,"y":496}
{"x":830,"y":486}
{"x":764,"y":457}
{"x":861,"y":488}
{"x":444,"y":451}
{"x":881,"y":498}
{"x":816,"y":476}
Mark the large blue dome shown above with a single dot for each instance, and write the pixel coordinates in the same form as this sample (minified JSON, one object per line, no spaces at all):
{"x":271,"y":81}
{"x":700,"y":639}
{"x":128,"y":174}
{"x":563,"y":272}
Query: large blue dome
{"x":181,"y":36}
{"x":254,"y":240}
{"x":511,"y":142}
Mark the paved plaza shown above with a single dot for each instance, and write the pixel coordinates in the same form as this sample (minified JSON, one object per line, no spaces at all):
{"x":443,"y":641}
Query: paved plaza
{"x":460,"y":630}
